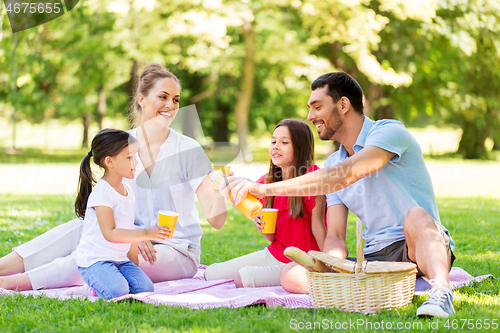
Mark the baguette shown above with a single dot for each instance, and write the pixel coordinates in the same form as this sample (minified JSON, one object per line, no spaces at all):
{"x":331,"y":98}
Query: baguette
{"x":306,"y":261}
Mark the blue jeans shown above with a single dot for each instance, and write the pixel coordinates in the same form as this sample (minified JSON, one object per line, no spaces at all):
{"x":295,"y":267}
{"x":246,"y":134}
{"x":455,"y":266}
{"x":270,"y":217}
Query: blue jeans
{"x":112,"y":279}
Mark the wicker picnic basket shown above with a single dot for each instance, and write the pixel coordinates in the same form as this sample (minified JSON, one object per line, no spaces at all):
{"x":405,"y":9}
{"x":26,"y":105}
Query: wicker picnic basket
{"x":376,"y":286}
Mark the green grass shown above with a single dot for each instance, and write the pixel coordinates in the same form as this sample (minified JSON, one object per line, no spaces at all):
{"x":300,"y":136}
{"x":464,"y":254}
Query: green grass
{"x":473,"y":222}
{"x":34,"y":155}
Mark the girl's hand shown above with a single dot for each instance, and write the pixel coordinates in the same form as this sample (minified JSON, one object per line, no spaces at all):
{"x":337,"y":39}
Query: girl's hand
{"x":147,"y":251}
{"x":158,"y":233}
{"x":259,"y":224}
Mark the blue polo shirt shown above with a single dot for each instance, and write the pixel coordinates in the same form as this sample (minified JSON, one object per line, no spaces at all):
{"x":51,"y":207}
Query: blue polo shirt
{"x":382,"y":200}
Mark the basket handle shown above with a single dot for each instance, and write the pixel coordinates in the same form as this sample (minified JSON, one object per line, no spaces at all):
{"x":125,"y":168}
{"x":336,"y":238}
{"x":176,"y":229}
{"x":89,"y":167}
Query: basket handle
{"x":359,"y":246}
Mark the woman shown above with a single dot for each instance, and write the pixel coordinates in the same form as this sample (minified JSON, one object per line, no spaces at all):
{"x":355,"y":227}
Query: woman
{"x":172,"y":169}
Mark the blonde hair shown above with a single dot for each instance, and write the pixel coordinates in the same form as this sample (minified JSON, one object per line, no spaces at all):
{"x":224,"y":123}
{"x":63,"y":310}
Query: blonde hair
{"x":151,"y":73}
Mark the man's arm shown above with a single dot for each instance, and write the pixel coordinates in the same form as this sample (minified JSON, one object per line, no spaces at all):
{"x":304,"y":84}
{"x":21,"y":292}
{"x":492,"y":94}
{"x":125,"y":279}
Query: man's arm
{"x":336,"y":220}
{"x":327,"y":180}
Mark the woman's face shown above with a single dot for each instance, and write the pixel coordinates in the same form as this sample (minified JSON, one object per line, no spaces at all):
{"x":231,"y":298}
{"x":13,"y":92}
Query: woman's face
{"x":161,"y":104}
{"x":281,"y":149}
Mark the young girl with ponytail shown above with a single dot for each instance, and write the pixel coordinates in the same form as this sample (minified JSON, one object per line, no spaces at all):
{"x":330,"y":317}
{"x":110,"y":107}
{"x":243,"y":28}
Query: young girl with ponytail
{"x":105,"y":255}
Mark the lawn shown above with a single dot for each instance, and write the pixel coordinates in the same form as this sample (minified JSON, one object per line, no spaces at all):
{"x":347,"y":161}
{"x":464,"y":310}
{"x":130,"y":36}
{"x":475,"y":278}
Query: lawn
{"x":473,"y":222}
{"x":37,"y":194}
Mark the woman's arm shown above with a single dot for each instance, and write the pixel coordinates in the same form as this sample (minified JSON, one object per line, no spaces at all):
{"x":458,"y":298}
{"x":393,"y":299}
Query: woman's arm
{"x":318,"y":220}
{"x":213,"y":204}
{"x":111,"y":233}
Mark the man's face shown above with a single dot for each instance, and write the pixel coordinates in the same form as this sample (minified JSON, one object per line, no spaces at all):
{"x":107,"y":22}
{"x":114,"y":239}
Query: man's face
{"x":324,"y":114}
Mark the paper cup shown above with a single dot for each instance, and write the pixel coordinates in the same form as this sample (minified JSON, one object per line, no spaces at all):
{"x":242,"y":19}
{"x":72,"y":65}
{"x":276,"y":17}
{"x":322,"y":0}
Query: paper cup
{"x":168,"y":219}
{"x":269,"y":216}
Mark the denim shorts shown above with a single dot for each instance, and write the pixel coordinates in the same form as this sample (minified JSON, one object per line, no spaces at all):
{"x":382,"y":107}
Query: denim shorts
{"x":398,"y":251}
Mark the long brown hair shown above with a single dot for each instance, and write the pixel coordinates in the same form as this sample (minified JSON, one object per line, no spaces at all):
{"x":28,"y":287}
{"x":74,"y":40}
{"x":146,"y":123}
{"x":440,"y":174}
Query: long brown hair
{"x":150,"y":75}
{"x":303,"y":157}
{"x":108,"y":142}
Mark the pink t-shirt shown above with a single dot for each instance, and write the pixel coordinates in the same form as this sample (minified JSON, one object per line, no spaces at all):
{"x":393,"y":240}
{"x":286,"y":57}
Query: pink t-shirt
{"x":292,"y":231}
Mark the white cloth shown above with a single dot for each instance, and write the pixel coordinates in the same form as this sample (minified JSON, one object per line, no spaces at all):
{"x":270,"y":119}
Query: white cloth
{"x":180,"y":168}
{"x":93,"y":247}
{"x":257,"y":269}
{"x":50,"y":259}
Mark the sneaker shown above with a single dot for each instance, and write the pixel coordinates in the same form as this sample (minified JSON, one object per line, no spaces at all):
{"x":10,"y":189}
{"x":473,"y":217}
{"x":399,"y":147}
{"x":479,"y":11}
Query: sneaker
{"x":439,"y":304}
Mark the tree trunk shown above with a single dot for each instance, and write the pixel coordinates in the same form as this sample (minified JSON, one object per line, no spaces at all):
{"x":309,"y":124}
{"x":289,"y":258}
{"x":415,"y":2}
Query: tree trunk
{"x":246,"y":92}
{"x":472,"y":142}
{"x":14,"y":90}
{"x":86,"y":124}
{"x":384,"y":112}
{"x":101,"y":107}
{"x":133,"y":81}
{"x":221,"y":130}
{"x":496,"y":134}
{"x":496,"y":141}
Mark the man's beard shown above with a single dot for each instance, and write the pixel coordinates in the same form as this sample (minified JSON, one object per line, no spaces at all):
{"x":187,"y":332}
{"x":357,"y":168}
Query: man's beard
{"x":329,"y":131}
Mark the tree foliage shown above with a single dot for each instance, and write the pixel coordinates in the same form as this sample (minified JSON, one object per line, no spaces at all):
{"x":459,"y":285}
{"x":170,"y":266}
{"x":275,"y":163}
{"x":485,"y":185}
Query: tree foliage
{"x":248,"y":64}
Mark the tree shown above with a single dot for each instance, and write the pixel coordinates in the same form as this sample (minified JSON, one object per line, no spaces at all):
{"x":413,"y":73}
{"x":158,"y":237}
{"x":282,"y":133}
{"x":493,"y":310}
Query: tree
{"x":454,"y":65}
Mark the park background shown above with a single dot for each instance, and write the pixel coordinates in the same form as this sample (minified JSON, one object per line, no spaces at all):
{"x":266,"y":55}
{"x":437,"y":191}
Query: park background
{"x":245,"y":65}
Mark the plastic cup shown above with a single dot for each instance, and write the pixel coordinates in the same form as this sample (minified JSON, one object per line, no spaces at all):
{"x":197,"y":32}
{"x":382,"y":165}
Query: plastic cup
{"x":269,"y":216}
{"x":168,"y":219}
{"x":222,"y":168}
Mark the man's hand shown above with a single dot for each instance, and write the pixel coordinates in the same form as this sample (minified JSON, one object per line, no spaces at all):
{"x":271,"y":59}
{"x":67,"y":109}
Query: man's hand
{"x":239,"y":187}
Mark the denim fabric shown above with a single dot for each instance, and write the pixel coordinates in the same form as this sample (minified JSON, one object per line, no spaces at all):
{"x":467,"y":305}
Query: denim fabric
{"x":112,"y":279}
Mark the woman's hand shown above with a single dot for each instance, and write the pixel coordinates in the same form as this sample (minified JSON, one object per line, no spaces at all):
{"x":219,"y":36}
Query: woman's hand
{"x":259,"y":224}
{"x":158,"y":233}
{"x":147,"y":251}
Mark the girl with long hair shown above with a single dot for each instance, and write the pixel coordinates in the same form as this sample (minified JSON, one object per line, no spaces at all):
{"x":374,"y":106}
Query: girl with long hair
{"x":300,"y":221}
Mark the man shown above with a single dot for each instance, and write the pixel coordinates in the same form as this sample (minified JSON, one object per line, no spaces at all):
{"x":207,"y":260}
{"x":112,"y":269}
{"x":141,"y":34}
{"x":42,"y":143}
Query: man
{"x":380,"y":175}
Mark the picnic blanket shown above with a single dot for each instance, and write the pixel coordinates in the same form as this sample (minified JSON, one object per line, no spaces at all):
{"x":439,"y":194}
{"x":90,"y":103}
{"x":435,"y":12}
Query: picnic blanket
{"x":196,"y":293}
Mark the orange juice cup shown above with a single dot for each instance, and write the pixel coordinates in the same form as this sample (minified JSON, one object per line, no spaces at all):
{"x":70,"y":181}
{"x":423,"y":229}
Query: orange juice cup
{"x":222,"y":168}
{"x":269,"y":216}
{"x":168,"y":219}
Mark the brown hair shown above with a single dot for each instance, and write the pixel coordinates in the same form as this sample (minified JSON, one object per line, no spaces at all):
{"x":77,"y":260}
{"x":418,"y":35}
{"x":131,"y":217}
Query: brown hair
{"x":108,"y":142}
{"x":151,"y":73}
{"x":303,"y":157}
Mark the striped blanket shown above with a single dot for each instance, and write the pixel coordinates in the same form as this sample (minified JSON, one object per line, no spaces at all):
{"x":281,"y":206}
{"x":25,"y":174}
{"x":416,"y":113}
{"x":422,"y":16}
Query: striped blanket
{"x":196,"y":293}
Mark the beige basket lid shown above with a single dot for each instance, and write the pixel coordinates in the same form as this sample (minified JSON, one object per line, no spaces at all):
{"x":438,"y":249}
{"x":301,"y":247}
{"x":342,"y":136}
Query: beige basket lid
{"x":339,"y":264}
{"x":376,"y":267}
{"x":371,"y":267}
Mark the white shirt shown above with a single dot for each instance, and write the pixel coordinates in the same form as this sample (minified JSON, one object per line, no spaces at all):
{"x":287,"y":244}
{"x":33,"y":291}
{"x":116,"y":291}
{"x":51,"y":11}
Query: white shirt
{"x":180,"y":168}
{"x":93,"y":247}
